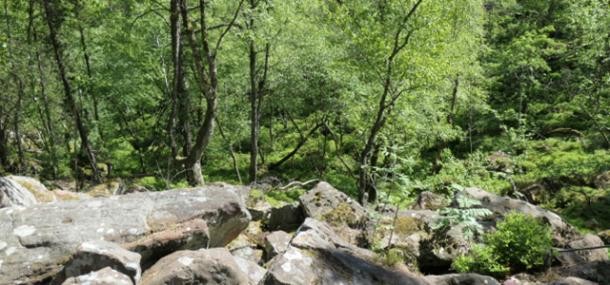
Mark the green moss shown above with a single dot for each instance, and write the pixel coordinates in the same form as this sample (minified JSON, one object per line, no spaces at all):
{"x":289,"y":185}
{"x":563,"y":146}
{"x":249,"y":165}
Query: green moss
{"x":406,"y":225}
{"x":341,"y":214}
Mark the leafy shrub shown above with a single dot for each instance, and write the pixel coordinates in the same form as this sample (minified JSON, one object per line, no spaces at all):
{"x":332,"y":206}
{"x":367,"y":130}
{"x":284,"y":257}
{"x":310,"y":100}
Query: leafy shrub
{"x":480,"y":259}
{"x":520,"y":242}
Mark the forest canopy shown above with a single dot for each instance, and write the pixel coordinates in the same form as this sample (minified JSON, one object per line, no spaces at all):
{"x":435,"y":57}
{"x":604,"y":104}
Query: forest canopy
{"x":382,"y":98}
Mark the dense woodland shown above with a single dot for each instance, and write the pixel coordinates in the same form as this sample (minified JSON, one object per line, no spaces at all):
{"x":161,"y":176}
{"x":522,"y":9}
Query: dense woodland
{"x":384,"y":98}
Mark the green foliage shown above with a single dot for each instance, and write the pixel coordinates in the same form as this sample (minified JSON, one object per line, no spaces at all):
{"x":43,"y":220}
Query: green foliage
{"x":465,"y":214}
{"x":480,"y":259}
{"x":520,"y":242}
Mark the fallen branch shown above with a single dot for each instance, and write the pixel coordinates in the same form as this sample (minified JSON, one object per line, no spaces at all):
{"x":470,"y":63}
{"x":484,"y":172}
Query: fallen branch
{"x":298,"y":183}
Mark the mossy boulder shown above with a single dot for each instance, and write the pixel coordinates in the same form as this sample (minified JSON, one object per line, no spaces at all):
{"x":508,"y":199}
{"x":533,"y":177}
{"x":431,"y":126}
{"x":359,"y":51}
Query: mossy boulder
{"x":346,"y":216}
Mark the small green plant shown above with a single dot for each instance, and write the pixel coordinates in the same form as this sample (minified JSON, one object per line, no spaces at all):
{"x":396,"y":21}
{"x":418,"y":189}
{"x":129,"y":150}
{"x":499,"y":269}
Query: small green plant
{"x":480,"y":259}
{"x":520,"y":242}
{"x":466,"y":213}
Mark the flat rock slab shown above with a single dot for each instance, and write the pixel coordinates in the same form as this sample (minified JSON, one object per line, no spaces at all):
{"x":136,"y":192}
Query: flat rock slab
{"x":105,"y":276}
{"x":36,"y":241}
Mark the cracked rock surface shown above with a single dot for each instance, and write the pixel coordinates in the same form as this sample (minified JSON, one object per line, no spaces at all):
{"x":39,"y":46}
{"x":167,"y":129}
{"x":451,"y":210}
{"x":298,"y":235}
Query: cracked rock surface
{"x":36,"y":241}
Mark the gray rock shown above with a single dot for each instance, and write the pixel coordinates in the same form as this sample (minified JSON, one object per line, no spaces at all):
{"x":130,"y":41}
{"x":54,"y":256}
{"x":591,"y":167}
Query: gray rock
{"x":522,"y":279}
{"x":584,"y":256}
{"x":317,"y":255}
{"x":98,"y":254}
{"x":597,"y":271}
{"x":407,"y":232}
{"x":255,"y":272}
{"x":105,"y":276}
{"x":40,"y":192}
{"x":276,"y":243}
{"x":563,"y":232}
{"x":249,"y":253}
{"x":260,"y":210}
{"x":573,"y":281}
{"x":206,"y":266}
{"x":462,"y":279}
{"x":37,"y":241}
{"x":287,"y":217}
{"x":348,"y":218}
{"x":429,"y":201}
{"x":13,"y":194}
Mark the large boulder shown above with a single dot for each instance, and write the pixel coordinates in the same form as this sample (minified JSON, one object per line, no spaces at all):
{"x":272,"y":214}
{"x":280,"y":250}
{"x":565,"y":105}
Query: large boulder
{"x":405,"y":231}
{"x":429,"y":201}
{"x":206,"y":266}
{"x":105,"y":276}
{"x":98,"y":254}
{"x":13,"y":194}
{"x":501,"y":206}
{"x":348,"y":218}
{"x":575,"y":256}
{"x":36,"y":241}
{"x":462,"y":279}
{"x":40,"y":192}
{"x":316,"y":255}
{"x":597,"y":271}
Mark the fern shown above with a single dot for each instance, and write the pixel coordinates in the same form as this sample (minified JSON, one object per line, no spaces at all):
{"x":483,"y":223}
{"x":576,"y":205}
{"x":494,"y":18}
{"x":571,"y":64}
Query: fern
{"x":464,"y":214}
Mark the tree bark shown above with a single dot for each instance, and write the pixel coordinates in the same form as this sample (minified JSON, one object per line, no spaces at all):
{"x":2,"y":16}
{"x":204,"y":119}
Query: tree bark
{"x":70,"y":101}
{"x":366,"y":190}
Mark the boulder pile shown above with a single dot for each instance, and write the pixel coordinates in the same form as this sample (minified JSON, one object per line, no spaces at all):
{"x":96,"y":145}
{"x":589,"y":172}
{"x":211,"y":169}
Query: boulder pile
{"x":217,"y":235}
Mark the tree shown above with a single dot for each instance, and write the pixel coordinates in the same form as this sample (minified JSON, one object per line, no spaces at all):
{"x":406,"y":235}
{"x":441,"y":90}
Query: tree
{"x":54,"y":22}
{"x":207,"y":77}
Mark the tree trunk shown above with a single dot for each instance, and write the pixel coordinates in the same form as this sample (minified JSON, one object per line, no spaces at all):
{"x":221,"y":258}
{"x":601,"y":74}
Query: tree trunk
{"x":454,"y":93}
{"x":366,"y":190}
{"x":177,"y":65}
{"x":254,"y":122}
{"x":70,"y":101}
{"x":207,"y":76}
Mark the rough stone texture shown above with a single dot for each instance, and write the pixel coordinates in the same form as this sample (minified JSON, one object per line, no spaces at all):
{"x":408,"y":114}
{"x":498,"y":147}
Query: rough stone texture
{"x":462,"y":279}
{"x":259,"y":209}
{"x":276,"y":243}
{"x":438,"y":252}
{"x":605,"y":236}
{"x":343,"y":214}
{"x":106,"y":189}
{"x":572,"y":281}
{"x":38,"y":240}
{"x":131,"y":189}
{"x":249,"y":253}
{"x":522,"y":279}
{"x":255,"y":272}
{"x":317,"y":255}
{"x":42,"y":194}
{"x":287,"y":217}
{"x":13,"y":194}
{"x":562,"y":231}
{"x":598,"y":271}
{"x":106,"y":276}
{"x":409,"y":230}
{"x":429,"y":201}
{"x":579,"y":257}
{"x":98,"y":254}
{"x":206,"y":266}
